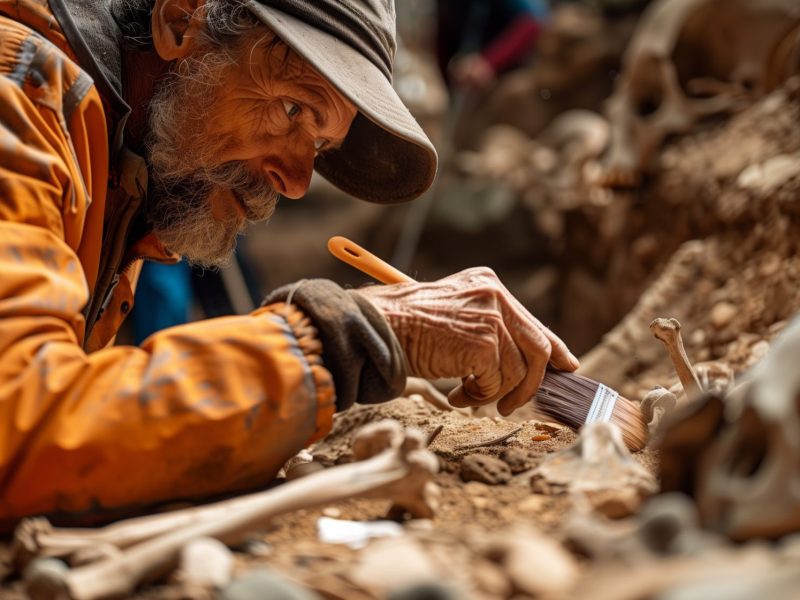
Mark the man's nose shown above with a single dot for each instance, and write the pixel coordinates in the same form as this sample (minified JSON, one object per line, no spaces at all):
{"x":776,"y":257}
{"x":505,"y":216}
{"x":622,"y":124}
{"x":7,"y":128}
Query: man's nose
{"x":290,"y":172}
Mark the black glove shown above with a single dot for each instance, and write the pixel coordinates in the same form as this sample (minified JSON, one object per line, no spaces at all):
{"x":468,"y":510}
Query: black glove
{"x":358,"y":346}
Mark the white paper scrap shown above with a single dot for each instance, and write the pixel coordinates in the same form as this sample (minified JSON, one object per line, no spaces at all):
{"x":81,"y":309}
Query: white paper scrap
{"x":355,"y":534}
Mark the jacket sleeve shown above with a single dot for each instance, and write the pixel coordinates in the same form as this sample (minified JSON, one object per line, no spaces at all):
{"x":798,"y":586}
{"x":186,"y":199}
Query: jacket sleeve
{"x":196,"y":410}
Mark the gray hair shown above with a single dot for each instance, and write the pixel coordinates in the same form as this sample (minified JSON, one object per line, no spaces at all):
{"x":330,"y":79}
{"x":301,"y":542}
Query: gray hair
{"x":227,"y":21}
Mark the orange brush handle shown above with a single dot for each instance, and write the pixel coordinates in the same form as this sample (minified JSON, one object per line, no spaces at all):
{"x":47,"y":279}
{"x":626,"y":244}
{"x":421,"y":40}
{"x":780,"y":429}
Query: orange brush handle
{"x":366,"y":262}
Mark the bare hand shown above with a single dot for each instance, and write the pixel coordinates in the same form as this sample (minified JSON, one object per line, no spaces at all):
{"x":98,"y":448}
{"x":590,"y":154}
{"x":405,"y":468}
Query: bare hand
{"x":469,"y":325}
{"x":472,"y":71}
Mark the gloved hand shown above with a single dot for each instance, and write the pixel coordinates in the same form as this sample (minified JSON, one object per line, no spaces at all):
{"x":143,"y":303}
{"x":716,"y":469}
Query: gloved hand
{"x":469,"y":325}
{"x":358,"y":346}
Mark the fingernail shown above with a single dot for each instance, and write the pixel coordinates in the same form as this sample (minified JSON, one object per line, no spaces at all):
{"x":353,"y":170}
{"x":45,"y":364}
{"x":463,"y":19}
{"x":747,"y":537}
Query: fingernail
{"x":574,"y":360}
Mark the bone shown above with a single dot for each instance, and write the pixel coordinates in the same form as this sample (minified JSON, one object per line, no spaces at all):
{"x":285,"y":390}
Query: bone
{"x":599,"y":469}
{"x":398,"y":468}
{"x":655,"y":405}
{"x":612,"y":360}
{"x":668,"y":332}
{"x":650,"y":102}
{"x":715,"y":377}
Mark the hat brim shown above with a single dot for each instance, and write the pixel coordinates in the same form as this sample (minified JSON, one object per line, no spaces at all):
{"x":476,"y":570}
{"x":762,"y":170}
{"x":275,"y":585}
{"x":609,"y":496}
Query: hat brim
{"x":386,"y":157}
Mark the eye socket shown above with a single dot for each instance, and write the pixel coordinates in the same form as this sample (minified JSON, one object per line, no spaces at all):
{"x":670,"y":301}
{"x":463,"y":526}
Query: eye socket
{"x":292,"y":108}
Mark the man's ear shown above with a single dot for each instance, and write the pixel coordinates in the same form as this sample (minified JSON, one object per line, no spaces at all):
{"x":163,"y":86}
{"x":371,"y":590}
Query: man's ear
{"x":176,"y":26}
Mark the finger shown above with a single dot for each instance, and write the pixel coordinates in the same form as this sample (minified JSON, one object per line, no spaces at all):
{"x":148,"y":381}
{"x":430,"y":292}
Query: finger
{"x":535,"y":349}
{"x":560,"y":356}
{"x":460,"y":398}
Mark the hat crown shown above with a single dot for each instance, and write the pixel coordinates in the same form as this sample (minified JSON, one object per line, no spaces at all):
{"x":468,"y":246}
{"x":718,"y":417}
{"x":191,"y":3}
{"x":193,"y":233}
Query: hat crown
{"x":366,"y":25}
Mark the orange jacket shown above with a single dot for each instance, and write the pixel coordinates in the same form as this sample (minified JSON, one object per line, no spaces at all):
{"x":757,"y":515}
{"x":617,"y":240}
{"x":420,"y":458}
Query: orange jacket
{"x":86,"y":427}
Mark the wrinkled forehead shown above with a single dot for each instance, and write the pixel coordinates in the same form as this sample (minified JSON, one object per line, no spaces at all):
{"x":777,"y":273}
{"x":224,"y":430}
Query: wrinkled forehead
{"x":268,"y":56}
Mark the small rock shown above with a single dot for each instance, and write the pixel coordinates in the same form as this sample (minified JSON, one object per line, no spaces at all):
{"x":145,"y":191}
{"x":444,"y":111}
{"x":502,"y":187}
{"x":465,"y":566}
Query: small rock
{"x":486,"y":469}
{"x":722,"y":314}
{"x":254,"y":547}
{"x":480,"y":502}
{"x":46,"y":578}
{"x":206,"y":562}
{"x":542,"y":437}
{"x":393,"y":564}
{"x":332,"y":512}
{"x":615,"y":504}
{"x":427,"y":591}
{"x":532,"y":504}
{"x":476,"y":488}
{"x":517,"y":460}
{"x":260,"y":584}
{"x":547,"y":427}
{"x":490,"y":579}
{"x":770,"y":175}
{"x":302,"y":469}
{"x":539,"y":565}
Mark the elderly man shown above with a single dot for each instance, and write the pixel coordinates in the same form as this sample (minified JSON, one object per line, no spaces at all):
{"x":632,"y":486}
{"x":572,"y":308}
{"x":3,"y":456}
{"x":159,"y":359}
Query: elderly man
{"x":155,"y":129}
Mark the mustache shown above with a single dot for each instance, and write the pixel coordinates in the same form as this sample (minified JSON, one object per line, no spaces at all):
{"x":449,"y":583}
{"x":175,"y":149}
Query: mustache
{"x":255,"y":193}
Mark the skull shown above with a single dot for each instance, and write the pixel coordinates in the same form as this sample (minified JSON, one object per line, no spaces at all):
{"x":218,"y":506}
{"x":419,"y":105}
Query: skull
{"x":681,"y":67}
{"x":745,"y":475}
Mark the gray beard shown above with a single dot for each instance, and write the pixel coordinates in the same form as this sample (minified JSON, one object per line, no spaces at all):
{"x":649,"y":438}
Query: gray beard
{"x":183,"y":175}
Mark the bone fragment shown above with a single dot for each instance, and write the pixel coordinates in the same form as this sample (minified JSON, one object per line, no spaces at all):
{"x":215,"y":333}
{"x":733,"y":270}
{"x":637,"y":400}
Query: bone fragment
{"x":657,"y":403}
{"x":399,"y":468}
{"x":715,"y":377}
{"x":415,"y":386}
{"x":599,"y":468}
{"x":668,"y":332}
{"x":491,"y":442}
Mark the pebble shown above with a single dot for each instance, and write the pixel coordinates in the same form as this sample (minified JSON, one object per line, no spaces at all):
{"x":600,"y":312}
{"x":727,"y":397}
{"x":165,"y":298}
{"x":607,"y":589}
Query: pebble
{"x":302,"y":469}
{"x":425,"y":591}
{"x":532,"y":504}
{"x":476,"y":488}
{"x":722,"y":314}
{"x":486,"y":469}
{"x":45,"y":578}
{"x":547,"y":427}
{"x":332,"y":512}
{"x":260,"y":584}
{"x":490,"y":579}
{"x":480,"y":502}
{"x":206,"y":562}
{"x":518,"y":460}
{"x":540,"y":566}
{"x":542,"y":437}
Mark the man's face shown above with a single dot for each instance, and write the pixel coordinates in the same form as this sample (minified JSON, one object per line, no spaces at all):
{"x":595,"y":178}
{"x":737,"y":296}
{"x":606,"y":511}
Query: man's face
{"x":230,"y":130}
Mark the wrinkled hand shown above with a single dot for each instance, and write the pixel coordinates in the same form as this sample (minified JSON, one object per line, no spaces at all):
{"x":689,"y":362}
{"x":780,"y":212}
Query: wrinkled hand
{"x":469,"y":325}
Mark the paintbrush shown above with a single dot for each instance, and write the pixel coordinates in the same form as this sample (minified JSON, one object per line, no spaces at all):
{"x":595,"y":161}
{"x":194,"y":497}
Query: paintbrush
{"x":568,"y":398}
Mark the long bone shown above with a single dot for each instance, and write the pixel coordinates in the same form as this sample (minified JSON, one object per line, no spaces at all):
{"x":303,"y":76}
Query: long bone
{"x":669,"y":332}
{"x":36,"y":537}
{"x":399,"y":469}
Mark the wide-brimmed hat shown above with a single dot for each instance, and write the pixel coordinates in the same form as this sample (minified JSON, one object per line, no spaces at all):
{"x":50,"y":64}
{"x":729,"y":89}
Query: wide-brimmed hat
{"x":386,"y":157}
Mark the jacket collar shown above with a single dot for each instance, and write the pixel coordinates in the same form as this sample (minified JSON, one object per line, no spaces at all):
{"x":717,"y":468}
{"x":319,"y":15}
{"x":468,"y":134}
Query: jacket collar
{"x":93,"y":34}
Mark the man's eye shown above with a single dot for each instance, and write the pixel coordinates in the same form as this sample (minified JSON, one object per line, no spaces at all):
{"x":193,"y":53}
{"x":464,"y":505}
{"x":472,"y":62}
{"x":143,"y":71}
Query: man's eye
{"x":292,"y":108}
